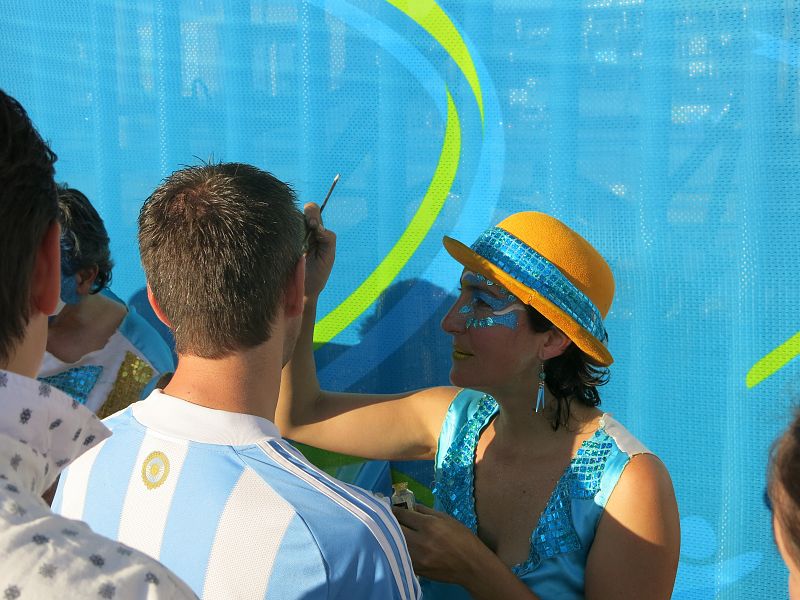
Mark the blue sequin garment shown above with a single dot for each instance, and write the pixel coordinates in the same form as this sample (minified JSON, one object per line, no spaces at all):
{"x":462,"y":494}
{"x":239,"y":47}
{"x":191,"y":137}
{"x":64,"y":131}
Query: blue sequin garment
{"x":454,"y":487}
{"x":555,"y":533}
{"x":78,"y":382}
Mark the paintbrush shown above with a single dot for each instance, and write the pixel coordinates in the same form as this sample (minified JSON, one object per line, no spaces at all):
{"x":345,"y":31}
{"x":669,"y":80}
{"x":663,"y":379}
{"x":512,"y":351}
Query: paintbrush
{"x":321,"y":208}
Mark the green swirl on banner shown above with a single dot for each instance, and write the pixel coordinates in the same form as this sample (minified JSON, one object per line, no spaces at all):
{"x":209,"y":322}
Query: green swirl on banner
{"x":774,"y":361}
{"x":365,"y":294}
{"x":430,"y":16}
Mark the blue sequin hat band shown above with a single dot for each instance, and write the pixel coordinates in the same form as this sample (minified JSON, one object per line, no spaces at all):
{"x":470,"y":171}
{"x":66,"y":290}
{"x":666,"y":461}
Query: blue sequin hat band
{"x":534,"y":271}
{"x":551,"y":268}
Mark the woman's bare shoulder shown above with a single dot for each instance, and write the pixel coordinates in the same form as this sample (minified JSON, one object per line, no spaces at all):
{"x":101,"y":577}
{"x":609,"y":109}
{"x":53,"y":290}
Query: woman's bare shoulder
{"x":637,"y":544}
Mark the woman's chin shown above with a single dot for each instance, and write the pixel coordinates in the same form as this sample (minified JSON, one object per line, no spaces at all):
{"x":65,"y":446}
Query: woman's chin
{"x":460,"y":376}
{"x":455,"y":377}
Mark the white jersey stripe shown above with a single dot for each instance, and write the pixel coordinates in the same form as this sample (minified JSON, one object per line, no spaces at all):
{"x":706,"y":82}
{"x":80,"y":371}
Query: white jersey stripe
{"x":388,"y":520}
{"x":233,"y":549}
{"x":150,"y":490}
{"x":303,"y":471}
{"x":75,"y":484}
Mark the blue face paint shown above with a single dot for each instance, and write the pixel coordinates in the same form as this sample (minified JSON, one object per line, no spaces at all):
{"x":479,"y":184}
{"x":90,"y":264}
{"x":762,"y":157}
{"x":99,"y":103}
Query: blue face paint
{"x":69,"y":289}
{"x":493,"y":302}
{"x":69,"y":283}
{"x":502,"y":310}
{"x":508,"y":320}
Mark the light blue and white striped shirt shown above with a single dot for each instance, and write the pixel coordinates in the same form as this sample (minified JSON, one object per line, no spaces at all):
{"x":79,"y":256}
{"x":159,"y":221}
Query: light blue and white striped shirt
{"x":233,"y":509}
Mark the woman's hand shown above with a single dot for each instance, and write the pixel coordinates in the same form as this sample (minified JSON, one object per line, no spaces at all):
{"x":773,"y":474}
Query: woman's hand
{"x":321,"y":252}
{"x":443,"y":549}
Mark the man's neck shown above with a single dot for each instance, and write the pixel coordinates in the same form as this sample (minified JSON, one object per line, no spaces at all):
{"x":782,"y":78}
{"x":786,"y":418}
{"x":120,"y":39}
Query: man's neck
{"x":244,"y":382}
{"x":26,"y":356}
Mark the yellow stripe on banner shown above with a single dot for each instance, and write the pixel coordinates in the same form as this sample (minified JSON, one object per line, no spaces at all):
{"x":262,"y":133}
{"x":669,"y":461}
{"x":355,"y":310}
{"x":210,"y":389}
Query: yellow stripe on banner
{"x":430,"y":16}
{"x":354,"y":305}
{"x":774,"y":361}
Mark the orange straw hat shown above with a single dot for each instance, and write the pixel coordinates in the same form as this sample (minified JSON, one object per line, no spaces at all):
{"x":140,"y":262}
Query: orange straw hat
{"x":551,"y":268}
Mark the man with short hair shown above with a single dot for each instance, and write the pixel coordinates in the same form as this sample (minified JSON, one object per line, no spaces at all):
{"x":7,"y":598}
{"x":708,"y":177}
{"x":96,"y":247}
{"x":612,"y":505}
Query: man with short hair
{"x":197,"y":474}
{"x":43,"y":555}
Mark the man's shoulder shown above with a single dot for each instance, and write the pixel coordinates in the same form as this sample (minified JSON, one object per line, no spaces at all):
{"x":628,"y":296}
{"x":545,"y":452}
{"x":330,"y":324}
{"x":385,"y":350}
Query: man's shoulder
{"x":54,"y":548}
{"x":120,"y":419}
{"x":324,"y":504}
{"x":348,"y":525}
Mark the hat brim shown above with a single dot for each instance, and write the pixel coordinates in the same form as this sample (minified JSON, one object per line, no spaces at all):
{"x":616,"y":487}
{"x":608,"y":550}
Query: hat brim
{"x":595,"y":350}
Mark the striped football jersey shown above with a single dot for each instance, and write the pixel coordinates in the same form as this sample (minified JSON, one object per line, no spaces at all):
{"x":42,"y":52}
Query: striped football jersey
{"x":233,"y":509}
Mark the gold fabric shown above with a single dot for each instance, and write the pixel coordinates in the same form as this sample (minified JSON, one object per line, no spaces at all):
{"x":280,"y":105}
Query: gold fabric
{"x":132,"y":377}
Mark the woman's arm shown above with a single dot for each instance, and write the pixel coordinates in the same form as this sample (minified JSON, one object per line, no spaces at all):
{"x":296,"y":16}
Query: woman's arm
{"x":397,"y":426}
{"x":443,"y":549}
{"x":637,"y":545}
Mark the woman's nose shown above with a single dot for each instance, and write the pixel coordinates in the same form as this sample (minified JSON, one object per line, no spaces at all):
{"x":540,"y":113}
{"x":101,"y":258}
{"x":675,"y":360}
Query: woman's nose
{"x":454,"y":321}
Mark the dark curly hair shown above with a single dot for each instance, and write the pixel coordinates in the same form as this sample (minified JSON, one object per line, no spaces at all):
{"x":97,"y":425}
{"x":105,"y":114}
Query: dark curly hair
{"x":84,"y":239}
{"x":570,"y":376}
{"x":27,"y":209}
{"x":783,"y":488}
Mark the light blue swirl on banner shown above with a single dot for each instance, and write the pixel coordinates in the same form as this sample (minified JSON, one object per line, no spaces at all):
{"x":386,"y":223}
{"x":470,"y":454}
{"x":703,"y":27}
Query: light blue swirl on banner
{"x":392,"y":330}
{"x":386,"y":38}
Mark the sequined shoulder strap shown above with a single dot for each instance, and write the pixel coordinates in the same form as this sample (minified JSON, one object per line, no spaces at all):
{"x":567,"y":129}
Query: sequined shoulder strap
{"x":454,"y":487}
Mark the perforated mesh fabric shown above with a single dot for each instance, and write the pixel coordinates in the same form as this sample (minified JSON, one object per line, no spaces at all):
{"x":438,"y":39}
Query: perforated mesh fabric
{"x":665,"y":132}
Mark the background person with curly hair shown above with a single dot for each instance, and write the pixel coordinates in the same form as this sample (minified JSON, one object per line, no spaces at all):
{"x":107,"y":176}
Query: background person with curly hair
{"x":99,"y":350}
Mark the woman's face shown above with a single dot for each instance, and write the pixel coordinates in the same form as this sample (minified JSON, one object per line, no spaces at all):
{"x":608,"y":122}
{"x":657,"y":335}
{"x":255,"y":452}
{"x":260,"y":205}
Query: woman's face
{"x":794,"y":572}
{"x":493,"y":343}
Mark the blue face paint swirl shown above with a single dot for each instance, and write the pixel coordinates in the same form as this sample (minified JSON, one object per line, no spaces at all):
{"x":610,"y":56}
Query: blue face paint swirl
{"x":69,"y":289}
{"x":69,"y":283}
{"x":503,"y":310}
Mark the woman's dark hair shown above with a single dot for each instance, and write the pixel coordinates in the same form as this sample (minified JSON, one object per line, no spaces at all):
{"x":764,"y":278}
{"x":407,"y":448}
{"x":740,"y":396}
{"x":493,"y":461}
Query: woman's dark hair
{"x":783,"y":486}
{"x":569,"y":376}
{"x":84,"y":240}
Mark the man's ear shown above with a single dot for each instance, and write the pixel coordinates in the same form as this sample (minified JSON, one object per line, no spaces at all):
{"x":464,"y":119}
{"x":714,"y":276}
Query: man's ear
{"x":294,"y":294}
{"x":555,"y":344}
{"x":46,"y":281}
{"x":156,"y":308}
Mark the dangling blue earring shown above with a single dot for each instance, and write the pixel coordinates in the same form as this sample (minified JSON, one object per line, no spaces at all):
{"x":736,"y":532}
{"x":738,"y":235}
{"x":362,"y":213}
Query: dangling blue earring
{"x":540,"y":393}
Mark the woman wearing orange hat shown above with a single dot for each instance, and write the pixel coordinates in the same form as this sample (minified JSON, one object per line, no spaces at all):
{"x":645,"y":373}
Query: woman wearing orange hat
{"x":539,"y":494}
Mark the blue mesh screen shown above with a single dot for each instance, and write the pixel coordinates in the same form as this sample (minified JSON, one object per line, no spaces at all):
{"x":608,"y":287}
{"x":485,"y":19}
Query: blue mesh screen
{"x":666,"y":132}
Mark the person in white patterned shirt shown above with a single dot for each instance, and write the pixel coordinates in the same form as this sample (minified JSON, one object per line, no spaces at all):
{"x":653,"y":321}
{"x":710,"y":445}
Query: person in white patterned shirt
{"x":43,"y":555}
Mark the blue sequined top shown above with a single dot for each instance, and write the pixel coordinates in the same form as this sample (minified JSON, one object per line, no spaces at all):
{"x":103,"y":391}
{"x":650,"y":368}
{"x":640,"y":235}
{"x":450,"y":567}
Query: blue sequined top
{"x":560,"y":543}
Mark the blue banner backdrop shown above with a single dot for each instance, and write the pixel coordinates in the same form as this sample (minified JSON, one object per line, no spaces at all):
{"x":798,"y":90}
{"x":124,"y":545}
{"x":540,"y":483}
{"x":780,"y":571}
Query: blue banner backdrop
{"x":665,"y":131}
